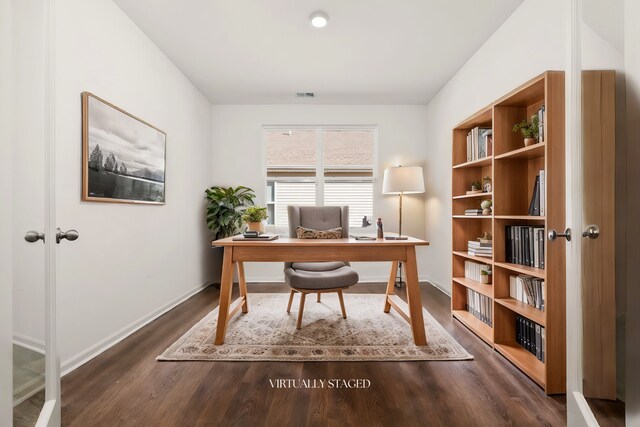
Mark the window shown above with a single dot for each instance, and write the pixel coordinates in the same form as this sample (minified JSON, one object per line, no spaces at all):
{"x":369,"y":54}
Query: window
{"x":320,"y":166}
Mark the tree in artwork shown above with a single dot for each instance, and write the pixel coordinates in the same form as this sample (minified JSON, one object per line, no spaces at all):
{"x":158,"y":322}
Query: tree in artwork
{"x":123,"y":169}
{"x":110,"y":165}
{"x":95,"y":159}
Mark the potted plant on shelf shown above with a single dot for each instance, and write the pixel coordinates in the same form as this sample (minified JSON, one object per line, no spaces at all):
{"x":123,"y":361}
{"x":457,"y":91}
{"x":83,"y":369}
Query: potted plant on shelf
{"x":485,"y":276}
{"x":254,"y":217}
{"x":529,"y":129}
{"x":476,"y":187}
{"x":225,"y":206}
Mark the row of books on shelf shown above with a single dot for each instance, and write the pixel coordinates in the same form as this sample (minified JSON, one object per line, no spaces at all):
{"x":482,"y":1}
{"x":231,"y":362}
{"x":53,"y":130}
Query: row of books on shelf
{"x":479,"y":143}
{"x":524,"y":245}
{"x":527,"y":289}
{"x":480,"y":306}
{"x":531,"y":336}
{"x":537,"y":203}
{"x":476,"y":248}
{"x":473,"y":270}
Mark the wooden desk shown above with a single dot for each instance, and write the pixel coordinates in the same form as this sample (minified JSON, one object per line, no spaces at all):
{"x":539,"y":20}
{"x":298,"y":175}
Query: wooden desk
{"x":315,"y":250}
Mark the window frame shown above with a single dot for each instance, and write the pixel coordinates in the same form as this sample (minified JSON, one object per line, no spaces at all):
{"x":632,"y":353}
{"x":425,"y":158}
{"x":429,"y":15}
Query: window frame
{"x":319,"y":177}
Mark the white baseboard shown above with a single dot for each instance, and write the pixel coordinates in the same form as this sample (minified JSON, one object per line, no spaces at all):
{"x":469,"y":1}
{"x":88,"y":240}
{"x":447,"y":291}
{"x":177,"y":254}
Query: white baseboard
{"x":29,"y":343}
{"x":83,"y":357}
{"x":439,"y":287}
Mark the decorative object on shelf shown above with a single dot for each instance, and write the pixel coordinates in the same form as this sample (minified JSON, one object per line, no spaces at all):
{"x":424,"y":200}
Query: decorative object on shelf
{"x":366,"y":221}
{"x":476,"y":188}
{"x":254,"y":217}
{"x":123,"y":157}
{"x":485,"y":276}
{"x":402,"y":180}
{"x":486,"y":184}
{"x":225,"y":207}
{"x":380,"y":230}
{"x":529,"y":129}
{"x":486,"y":237}
{"x":486,"y":207}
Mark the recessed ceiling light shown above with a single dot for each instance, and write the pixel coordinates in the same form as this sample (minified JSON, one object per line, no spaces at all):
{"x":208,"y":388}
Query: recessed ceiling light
{"x":319,"y":19}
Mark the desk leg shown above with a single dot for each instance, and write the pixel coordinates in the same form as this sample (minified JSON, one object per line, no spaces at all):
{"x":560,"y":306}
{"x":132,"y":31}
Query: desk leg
{"x":226,"y":286}
{"x":413,"y":298}
{"x":390,"y":285}
{"x":243,"y":286}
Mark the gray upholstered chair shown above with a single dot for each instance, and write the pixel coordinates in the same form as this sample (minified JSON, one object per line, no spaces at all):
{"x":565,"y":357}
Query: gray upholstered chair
{"x":318,"y":277}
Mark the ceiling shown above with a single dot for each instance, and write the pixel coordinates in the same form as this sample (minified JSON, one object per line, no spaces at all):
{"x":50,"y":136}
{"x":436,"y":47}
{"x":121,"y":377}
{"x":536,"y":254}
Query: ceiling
{"x":372,"y":51}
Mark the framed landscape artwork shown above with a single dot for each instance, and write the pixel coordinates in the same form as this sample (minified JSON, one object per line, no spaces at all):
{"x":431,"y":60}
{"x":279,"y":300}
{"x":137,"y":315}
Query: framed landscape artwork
{"x":123,"y":156}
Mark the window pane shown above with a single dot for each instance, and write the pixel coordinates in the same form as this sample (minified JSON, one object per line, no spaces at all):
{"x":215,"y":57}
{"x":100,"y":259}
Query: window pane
{"x":348,"y":152}
{"x":357,"y":195}
{"x":292,"y":193}
{"x":291,"y":152}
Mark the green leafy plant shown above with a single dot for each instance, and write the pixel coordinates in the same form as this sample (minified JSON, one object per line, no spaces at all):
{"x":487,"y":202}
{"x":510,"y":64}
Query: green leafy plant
{"x":475,"y":186}
{"x":254,"y":214}
{"x":529,"y":129}
{"x":225,"y":208}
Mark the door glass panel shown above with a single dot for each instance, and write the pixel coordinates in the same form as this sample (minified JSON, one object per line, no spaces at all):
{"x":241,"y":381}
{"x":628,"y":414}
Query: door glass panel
{"x":603,"y":139}
{"x":28,"y":212}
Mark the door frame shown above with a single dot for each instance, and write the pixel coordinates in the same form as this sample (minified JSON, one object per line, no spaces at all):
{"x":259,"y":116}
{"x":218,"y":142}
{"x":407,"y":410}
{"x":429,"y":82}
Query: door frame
{"x":578,"y":411}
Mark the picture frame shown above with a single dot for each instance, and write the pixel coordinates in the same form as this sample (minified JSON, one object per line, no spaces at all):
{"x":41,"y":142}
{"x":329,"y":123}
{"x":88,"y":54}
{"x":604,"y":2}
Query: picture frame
{"x":123,"y":156}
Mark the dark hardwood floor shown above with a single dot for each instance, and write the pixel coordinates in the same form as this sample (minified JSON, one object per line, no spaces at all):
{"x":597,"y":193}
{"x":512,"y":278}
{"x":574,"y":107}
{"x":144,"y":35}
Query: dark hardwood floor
{"x":126,"y":386}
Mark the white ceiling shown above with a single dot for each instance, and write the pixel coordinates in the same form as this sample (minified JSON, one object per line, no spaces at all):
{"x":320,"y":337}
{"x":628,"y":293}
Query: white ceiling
{"x":372,"y":51}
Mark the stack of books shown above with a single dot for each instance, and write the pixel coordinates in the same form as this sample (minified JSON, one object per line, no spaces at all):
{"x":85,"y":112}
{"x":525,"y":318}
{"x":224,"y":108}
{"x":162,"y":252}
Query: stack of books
{"x":480,"y":306}
{"x":527,"y":289}
{"x":475,"y":248}
{"x":472,"y":270}
{"x":473,"y":212}
{"x":531,"y":336}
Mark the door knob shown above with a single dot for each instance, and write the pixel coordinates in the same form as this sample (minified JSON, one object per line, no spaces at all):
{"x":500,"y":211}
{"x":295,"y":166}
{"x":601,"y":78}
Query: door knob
{"x":70,"y":235}
{"x":33,"y":236}
{"x":592,"y":231}
{"x":553,"y":234}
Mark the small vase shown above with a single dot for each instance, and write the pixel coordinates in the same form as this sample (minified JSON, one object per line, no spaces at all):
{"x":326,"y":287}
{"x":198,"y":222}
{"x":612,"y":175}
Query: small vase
{"x":485,"y":279}
{"x":530,"y":141}
{"x":256,"y":226}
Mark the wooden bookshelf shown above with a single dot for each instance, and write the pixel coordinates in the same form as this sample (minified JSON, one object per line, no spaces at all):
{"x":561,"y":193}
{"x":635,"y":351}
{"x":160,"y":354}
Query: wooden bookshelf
{"x":512,"y":168}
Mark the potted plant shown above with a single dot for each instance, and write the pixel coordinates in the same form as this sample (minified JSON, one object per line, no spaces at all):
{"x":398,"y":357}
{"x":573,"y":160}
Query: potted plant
{"x":254,"y":217}
{"x":485,"y":276}
{"x":476,"y":187}
{"x":225,"y":206}
{"x":529,"y":129}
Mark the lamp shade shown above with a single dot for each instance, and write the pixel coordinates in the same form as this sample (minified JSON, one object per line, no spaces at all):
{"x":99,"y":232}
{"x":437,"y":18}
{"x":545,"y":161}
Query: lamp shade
{"x":403,"y":180}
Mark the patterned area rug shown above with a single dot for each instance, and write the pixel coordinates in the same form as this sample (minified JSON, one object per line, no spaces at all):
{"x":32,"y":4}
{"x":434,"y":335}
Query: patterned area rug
{"x":268,"y":333}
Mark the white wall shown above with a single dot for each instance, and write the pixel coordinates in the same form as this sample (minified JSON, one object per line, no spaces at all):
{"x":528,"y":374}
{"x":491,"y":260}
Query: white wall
{"x":130,"y":261}
{"x":528,"y":43}
{"x":6,"y":277}
{"x":402,"y":139}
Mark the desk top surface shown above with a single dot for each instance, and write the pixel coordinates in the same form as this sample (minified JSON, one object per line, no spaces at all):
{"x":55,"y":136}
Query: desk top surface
{"x":287,"y":241}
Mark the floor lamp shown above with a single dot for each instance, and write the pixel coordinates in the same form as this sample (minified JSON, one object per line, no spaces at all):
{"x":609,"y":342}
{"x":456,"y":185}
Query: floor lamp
{"x":402,"y":180}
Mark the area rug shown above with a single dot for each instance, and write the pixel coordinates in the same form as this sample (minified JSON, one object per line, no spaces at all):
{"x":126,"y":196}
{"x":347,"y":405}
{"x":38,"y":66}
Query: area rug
{"x":268,"y":333}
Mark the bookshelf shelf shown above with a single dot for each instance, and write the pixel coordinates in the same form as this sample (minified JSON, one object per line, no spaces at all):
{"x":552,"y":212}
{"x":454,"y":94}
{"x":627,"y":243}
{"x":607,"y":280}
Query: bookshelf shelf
{"x":485,"y":260}
{"x":523,"y":309}
{"x":530,"y":152}
{"x":478,"y":327}
{"x":485,"y":161}
{"x":514,"y":171}
{"x":486,"y":290}
{"x":471,"y":196}
{"x":521,"y":217}
{"x":524,"y":360}
{"x":522,"y":269}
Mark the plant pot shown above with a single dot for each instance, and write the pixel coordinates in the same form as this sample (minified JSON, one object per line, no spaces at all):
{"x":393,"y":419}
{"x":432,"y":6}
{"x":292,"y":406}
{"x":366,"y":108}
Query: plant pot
{"x":485,"y":279}
{"x":256,"y":226}
{"x":530,"y":141}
